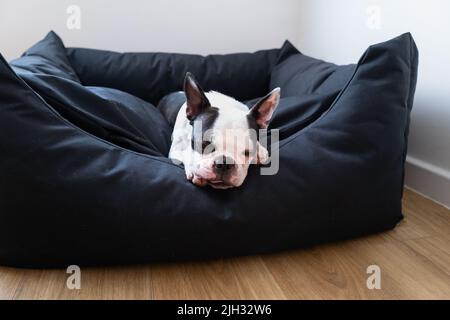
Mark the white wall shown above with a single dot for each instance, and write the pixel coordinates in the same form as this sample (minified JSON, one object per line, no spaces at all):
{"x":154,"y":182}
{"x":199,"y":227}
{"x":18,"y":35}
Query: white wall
{"x":339,"y":31}
{"x":195,"y":26}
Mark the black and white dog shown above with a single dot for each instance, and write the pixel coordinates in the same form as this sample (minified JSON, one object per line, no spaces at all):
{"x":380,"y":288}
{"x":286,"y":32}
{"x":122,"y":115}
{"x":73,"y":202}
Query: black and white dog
{"x":216,"y":136}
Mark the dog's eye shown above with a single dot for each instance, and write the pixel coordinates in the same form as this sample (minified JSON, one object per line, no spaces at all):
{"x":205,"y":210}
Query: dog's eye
{"x":247,"y":153}
{"x":207,"y":147}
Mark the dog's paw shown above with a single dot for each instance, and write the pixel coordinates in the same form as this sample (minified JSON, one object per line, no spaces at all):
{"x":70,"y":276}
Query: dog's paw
{"x":193,"y":178}
{"x":200,"y":182}
{"x":189,"y":175}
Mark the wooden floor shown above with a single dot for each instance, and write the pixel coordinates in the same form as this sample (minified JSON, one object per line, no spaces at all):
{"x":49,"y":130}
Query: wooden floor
{"x":414,"y":260}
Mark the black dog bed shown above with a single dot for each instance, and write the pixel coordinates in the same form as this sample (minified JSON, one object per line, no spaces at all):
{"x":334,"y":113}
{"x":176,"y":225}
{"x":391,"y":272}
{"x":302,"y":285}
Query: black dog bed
{"x":85,"y":178}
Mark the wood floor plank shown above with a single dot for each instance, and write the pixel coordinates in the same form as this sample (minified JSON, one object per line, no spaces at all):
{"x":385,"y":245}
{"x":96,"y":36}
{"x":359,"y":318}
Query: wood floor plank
{"x":239,"y":278}
{"x":10,"y":280}
{"x":436,"y":249}
{"x":414,"y":260}
{"x":426,"y":216}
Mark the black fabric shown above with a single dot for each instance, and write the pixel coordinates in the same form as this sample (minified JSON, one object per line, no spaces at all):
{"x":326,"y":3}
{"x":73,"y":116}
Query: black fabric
{"x":151,"y":76}
{"x":48,"y":56}
{"x":170,"y":105}
{"x":303,"y":75}
{"x":109,"y":114}
{"x":69,"y":194}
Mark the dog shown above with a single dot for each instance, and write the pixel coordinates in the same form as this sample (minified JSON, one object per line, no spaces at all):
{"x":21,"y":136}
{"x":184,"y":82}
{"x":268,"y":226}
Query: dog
{"x":215,"y":136}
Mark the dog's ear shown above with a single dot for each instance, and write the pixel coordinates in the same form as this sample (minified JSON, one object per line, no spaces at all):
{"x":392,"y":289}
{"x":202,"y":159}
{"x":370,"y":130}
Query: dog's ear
{"x":263,"y":110}
{"x":196,"y":100}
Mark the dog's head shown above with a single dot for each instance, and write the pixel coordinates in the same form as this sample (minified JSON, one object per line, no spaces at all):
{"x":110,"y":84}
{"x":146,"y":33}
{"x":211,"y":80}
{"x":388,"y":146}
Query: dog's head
{"x":224,"y":136}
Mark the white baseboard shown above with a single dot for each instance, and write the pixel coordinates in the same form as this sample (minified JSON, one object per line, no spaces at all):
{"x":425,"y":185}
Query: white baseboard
{"x":428,"y":180}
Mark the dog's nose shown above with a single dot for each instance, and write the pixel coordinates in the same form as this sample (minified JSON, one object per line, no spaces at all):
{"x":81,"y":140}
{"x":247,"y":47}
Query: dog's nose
{"x":223,"y":163}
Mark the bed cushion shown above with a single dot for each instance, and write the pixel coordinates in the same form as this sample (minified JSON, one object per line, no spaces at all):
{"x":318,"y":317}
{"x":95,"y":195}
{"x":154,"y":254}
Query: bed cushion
{"x":303,"y":75}
{"x":48,"y":57}
{"x":69,"y":195}
{"x":151,"y":76}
